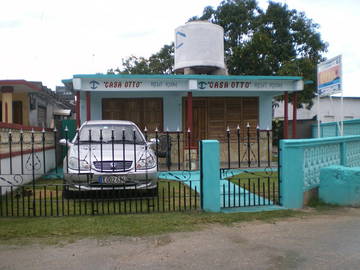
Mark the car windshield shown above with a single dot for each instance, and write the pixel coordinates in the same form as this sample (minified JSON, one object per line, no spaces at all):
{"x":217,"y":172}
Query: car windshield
{"x":122,"y":134}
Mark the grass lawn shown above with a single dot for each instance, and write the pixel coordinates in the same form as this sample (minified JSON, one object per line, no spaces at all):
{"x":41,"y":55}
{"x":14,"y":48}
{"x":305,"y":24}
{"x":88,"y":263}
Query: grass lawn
{"x":264,"y":184}
{"x":59,"y":229}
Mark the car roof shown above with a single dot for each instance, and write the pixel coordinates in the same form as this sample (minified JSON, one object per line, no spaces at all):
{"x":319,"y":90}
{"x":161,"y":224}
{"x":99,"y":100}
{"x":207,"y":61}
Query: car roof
{"x":108,"y":122}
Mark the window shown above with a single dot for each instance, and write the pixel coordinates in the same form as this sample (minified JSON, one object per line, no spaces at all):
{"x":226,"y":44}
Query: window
{"x":41,"y":116}
{"x":144,"y":112}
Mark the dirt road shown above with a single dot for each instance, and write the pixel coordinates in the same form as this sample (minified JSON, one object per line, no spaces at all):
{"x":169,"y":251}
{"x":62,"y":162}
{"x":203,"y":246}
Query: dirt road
{"x":330,"y":241}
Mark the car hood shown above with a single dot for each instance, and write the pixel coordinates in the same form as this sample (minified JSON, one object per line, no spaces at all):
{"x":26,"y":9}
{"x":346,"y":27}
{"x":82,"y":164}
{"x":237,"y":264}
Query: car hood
{"x":107,"y":152}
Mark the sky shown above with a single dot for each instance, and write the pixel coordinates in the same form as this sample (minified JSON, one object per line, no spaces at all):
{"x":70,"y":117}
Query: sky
{"x":51,"y":40}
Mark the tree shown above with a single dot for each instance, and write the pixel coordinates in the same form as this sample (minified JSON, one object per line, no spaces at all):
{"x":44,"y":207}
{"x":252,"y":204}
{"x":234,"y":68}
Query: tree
{"x":158,"y":63}
{"x":162,"y":62}
{"x":277,"y":41}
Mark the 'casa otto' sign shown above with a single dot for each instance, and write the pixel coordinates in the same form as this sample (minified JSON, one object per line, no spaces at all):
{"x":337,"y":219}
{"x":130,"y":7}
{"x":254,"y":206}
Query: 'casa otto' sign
{"x":182,"y":85}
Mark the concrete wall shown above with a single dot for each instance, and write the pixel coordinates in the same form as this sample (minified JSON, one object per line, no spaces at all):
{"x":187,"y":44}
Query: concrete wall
{"x":17,"y":170}
{"x":331,"y":129}
{"x":302,"y":160}
{"x":304,"y":129}
{"x":340,"y":185}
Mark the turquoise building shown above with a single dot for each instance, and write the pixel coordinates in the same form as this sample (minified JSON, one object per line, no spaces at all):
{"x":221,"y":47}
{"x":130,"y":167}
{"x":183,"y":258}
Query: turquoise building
{"x":205,"y":104}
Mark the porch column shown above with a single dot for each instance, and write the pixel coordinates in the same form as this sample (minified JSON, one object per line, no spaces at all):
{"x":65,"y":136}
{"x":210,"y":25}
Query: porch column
{"x":77,"y":109}
{"x":88,"y":112}
{"x":294,"y":115}
{"x":286,"y":117}
{"x":189,"y":112}
{"x":7,"y":101}
{"x":209,"y":179}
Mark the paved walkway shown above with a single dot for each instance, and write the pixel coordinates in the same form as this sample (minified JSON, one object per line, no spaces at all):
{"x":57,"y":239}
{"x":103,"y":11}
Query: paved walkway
{"x":231,"y":195}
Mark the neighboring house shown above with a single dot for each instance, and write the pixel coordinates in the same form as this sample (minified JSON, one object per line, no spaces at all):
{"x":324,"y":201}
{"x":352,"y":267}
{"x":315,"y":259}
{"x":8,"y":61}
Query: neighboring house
{"x":330,"y":110}
{"x":28,"y":103}
{"x":65,"y":94}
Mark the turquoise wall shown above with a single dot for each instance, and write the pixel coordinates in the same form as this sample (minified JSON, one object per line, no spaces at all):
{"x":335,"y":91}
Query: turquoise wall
{"x":340,"y":185}
{"x":351,"y":127}
{"x":302,"y":160}
{"x":172,"y":104}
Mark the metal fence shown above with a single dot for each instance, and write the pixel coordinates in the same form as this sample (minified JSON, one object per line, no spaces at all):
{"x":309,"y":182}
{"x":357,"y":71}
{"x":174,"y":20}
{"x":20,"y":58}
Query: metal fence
{"x":57,"y":200}
{"x":249,"y":188}
{"x":27,"y":156}
{"x":246,"y":149}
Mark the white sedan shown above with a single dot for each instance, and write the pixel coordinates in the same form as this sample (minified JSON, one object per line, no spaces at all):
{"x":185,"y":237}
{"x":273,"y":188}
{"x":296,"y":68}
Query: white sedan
{"x":110,"y":154}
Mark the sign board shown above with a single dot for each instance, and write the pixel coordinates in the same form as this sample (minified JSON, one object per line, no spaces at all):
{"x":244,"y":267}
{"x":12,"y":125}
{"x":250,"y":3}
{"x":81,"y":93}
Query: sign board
{"x":329,"y":77}
{"x":87,"y":84}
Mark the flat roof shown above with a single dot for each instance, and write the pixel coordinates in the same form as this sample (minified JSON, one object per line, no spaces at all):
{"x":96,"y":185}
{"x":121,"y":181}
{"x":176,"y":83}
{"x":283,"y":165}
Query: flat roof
{"x":185,"y":77}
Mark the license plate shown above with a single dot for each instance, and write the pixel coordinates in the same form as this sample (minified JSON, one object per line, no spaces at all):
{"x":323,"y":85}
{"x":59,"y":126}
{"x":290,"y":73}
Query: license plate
{"x":112,"y":179}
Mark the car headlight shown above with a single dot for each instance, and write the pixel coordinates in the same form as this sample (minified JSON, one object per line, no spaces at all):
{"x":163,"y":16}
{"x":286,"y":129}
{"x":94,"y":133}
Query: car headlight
{"x":146,"y":161}
{"x":74,"y":163}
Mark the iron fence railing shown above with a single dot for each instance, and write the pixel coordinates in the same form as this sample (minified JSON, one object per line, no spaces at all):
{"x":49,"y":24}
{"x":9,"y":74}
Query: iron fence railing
{"x":245,"y":149}
{"x":248,"y":189}
{"x":59,"y":200}
{"x":27,"y":155}
{"x":174,"y":150}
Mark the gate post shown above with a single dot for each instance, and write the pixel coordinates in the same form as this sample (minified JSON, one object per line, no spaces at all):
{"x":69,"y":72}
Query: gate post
{"x":210,"y":175}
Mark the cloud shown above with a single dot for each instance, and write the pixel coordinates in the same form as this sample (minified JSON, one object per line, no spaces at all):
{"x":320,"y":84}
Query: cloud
{"x":52,"y":40}
{"x":10,"y":24}
{"x":135,"y":34}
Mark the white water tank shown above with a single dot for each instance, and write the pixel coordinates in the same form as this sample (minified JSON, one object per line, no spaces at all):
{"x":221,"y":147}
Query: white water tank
{"x":199,"y":46}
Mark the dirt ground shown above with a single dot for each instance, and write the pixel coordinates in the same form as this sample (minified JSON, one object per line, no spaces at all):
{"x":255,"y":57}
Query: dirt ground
{"x":328,"y":241}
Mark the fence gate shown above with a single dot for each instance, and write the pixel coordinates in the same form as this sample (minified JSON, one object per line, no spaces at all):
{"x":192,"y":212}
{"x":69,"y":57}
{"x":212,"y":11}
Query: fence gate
{"x":249,"y":169}
{"x":248,"y":187}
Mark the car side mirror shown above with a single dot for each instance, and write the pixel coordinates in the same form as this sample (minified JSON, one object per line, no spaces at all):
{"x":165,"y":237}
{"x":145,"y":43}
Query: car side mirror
{"x":153,"y":141}
{"x":64,"y":142}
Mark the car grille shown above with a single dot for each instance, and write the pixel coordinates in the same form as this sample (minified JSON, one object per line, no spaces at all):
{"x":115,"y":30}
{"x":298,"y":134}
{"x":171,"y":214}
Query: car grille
{"x":112,"y":166}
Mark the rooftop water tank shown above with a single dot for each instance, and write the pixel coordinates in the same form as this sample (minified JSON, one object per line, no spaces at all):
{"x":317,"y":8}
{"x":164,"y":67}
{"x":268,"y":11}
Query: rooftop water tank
{"x":199,"y":46}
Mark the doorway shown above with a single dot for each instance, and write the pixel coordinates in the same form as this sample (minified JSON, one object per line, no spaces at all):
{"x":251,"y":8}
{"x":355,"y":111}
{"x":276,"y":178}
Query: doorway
{"x":212,"y":116}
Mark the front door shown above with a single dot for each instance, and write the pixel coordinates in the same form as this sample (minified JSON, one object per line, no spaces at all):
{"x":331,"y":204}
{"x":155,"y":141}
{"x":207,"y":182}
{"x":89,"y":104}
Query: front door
{"x":199,"y":112}
{"x":213,"y":115}
{"x":17,"y":112}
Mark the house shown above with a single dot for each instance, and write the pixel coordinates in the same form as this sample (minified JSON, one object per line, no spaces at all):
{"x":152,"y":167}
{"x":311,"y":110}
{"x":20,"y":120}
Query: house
{"x":329,"y":110}
{"x":65,"y":94}
{"x":205,"y":104}
{"x":200,"y":97}
{"x":28,"y":103}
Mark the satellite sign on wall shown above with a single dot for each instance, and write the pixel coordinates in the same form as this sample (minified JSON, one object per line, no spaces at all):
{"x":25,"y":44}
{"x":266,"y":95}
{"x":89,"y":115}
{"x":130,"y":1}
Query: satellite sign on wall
{"x":329,"y":77}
